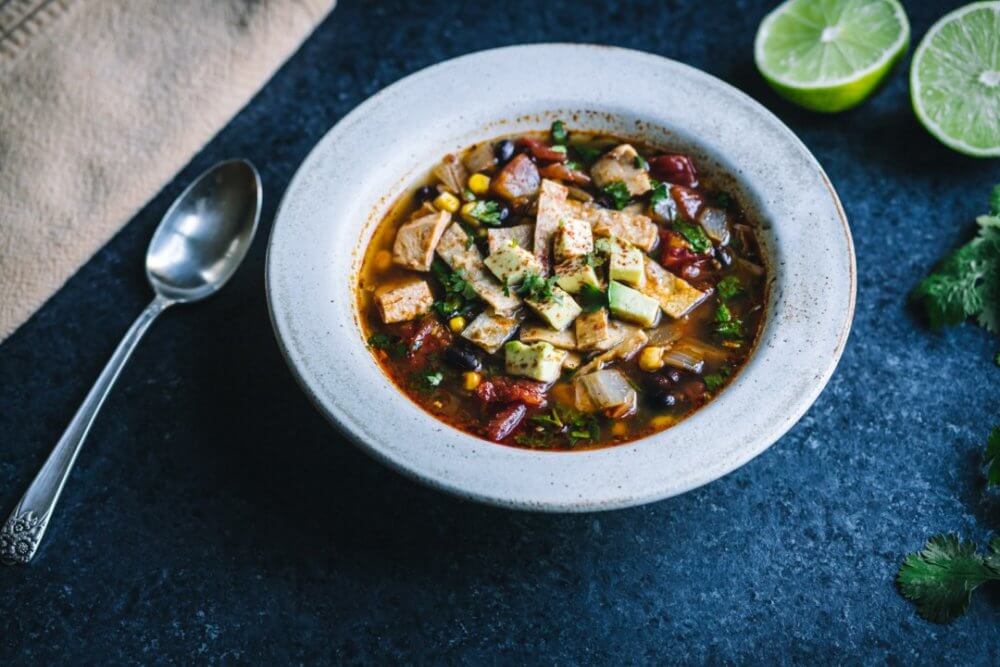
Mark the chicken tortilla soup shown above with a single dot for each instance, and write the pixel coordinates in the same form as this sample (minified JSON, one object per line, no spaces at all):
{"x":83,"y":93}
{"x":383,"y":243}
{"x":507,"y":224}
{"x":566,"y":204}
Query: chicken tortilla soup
{"x":563,"y":290}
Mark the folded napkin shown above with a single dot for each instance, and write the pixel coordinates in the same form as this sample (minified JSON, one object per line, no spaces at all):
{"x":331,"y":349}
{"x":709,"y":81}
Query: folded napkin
{"x":102,"y":102}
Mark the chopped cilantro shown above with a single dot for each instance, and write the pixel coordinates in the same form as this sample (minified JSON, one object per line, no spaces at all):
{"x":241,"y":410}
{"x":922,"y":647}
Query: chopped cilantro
{"x":694,"y":235}
{"x":714,"y":381}
{"x":572,"y":165}
{"x":559,"y":134}
{"x":533,"y":287}
{"x":729,"y":287}
{"x":487,"y":212}
{"x":662,"y":203}
{"x":561,"y":425}
{"x":593,"y":260}
{"x":967,"y":283}
{"x":727,"y":325}
{"x":617,"y":191}
{"x":459,"y":296}
{"x":433,"y":379}
{"x":390,"y":344}
{"x":557,"y":148}
{"x":592,"y":298}
{"x":640,"y":163}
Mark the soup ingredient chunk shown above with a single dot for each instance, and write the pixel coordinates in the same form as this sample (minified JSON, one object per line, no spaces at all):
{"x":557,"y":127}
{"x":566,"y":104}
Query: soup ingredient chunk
{"x":501,"y":389}
{"x":593,"y":330}
{"x":538,"y":361}
{"x":491,"y":330}
{"x":465,"y":259}
{"x":623,"y":164}
{"x":519,"y":235}
{"x":505,"y":422}
{"x":518,"y":180}
{"x":512,"y":263}
{"x":417,"y":239}
{"x":558,"y":310}
{"x":627,"y":265}
{"x":573,"y":239}
{"x":675,"y":295}
{"x":632,"y":306}
{"x":405,"y":301}
{"x":605,"y":390}
{"x":532,"y":333}
{"x":573,"y":274}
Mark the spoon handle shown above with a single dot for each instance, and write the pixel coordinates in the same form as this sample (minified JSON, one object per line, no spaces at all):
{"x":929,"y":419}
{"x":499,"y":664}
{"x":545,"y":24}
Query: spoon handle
{"x":21,"y":535}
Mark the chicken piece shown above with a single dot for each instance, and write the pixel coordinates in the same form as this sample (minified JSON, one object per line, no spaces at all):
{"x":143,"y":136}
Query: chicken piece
{"x":480,"y":158}
{"x":466,"y":259}
{"x":452,"y":174}
{"x":621,"y":164}
{"x":518,"y":180}
{"x":404,"y":301}
{"x":626,"y":349}
{"x":676,"y":297}
{"x":498,"y":237}
{"x":490,"y":330}
{"x":416,"y":240}
{"x":564,"y":340}
{"x":593,"y":331}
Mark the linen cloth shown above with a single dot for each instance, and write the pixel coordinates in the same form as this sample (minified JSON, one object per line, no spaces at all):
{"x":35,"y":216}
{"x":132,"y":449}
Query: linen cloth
{"x":102,"y":102}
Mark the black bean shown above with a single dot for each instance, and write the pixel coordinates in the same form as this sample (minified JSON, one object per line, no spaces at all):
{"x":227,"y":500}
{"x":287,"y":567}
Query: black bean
{"x":462,"y":358}
{"x":504,"y":210}
{"x":426,"y":193}
{"x":504,"y":150}
{"x":662,"y":399}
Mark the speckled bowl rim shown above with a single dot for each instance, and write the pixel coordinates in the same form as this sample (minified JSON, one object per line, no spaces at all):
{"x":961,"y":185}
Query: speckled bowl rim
{"x":333,"y":204}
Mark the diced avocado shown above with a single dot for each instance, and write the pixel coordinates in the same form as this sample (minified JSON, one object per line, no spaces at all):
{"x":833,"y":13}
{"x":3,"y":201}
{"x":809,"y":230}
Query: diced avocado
{"x":573,"y":274}
{"x":539,"y":361}
{"x":511,"y":262}
{"x":632,"y":306}
{"x":573,"y":239}
{"x":559,"y":310}
{"x":627,"y":265}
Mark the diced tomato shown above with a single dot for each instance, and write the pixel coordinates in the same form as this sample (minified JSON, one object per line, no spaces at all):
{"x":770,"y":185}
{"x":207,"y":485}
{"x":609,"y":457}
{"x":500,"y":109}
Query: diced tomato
{"x":542,"y":151}
{"x":689,"y":202}
{"x":561,"y":172}
{"x":675,"y":169}
{"x":501,"y":389}
{"x":505,"y":421}
{"x":423,"y":338}
{"x":675,"y":253}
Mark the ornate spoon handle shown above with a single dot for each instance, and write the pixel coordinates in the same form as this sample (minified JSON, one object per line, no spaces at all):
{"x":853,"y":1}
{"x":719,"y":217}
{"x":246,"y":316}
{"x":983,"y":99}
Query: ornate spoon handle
{"x":21,"y":535}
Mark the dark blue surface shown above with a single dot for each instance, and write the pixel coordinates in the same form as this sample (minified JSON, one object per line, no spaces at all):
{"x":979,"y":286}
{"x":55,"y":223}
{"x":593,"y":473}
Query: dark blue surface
{"x":215,"y":517}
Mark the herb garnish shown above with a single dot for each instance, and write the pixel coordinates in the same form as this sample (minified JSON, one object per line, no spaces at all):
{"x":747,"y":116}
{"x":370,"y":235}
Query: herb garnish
{"x":390,"y":344}
{"x":940,"y":578}
{"x":559,"y":134}
{"x":694,"y":235}
{"x":618,"y":192}
{"x":640,"y":163}
{"x":487,"y":212}
{"x":592,"y":298}
{"x":532,"y":287}
{"x":727,"y":325}
{"x":967,"y":283}
{"x":661,"y":202}
{"x":729,"y":287}
{"x":593,"y":260}
{"x":559,"y":424}
{"x":459,"y":296}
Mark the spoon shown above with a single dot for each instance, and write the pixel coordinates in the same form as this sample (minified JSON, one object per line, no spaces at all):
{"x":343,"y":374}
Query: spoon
{"x":198,"y":246}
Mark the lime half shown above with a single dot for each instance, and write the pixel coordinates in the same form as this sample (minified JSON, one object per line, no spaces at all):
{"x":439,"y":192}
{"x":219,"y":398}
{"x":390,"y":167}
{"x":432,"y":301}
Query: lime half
{"x":829,"y":55}
{"x":955,"y":79}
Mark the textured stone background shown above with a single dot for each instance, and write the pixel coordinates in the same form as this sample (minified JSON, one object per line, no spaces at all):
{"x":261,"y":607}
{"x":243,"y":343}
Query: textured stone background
{"x":215,"y":517}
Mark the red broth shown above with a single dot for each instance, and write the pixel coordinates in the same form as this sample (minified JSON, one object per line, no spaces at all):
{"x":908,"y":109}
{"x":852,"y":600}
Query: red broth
{"x":704,"y":254}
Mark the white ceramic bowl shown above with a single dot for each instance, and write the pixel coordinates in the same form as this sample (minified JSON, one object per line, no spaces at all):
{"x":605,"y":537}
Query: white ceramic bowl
{"x":358,"y":169}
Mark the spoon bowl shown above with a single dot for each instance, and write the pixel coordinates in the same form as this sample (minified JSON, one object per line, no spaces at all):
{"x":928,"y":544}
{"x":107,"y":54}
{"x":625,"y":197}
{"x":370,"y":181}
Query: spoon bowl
{"x":205,"y":233}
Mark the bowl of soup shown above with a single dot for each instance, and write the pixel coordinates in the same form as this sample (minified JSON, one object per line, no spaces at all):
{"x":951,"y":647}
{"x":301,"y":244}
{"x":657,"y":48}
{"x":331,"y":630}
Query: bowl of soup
{"x":602,"y":283}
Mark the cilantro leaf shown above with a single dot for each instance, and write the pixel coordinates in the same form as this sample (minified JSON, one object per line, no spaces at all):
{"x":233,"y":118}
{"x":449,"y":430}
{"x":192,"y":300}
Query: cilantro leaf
{"x":388,"y":343}
{"x":534,"y":287}
{"x":592,"y":298}
{"x":618,"y":192}
{"x":488,"y":212}
{"x":694,"y":235}
{"x":729,"y":287}
{"x":993,"y":457}
{"x":640,"y":163}
{"x":460,"y":297}
{"x":727,"y":325}
{"x":714,"y":381}
{"x":559,"y":134}
{"x":940,"y":578}
{"x":662,"y":204}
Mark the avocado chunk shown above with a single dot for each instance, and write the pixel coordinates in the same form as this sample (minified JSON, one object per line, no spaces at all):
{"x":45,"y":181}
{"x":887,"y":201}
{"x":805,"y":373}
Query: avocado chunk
{"x":627,"y":265}
{"x":511,"y":263}
{"x":539,"y":361}
{"x":573,"y":239}
{"x":558,"y":311}
{"x":632,"y":306}
{"x":573,"y":274}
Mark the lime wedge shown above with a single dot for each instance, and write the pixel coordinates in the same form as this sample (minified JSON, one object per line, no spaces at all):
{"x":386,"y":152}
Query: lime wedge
{"x":955,"y":80}
{"x":829,"y":55}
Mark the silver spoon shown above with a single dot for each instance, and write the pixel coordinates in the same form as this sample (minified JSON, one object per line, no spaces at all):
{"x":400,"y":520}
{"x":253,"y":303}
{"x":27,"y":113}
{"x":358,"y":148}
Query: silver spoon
{"x":200,"y":242}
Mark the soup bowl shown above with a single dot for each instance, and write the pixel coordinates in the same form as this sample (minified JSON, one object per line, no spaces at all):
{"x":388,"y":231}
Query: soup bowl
{"x":364,"y":163}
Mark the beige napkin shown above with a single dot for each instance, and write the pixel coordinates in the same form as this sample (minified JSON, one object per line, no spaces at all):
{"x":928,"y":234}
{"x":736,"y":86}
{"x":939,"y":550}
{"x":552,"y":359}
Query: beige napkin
{"x":102,"y":102}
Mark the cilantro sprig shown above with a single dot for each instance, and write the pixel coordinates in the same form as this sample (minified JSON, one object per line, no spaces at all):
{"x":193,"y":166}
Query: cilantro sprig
{"x":487,"y":212}
{"x":533,"y":287}
{"x":560,"y":425}
{"x":459,"y":296}
{"x":694,"y":235}
{"x":592,"y":298}
{"x":559,"y":134}
{"x":618,"y":193}
{"x":967,"y":283}
{"x":389,"y":343}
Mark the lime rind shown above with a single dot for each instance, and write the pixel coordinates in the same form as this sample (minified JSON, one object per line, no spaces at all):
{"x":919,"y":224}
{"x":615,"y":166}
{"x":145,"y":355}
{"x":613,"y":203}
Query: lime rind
{"x":928,"y":122}
{"x":832,"y":93}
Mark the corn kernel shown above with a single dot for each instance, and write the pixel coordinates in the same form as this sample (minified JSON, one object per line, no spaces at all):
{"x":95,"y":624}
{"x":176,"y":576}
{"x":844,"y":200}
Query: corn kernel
{"x":662,"y":421}
{"x":619,"y":429}
{"x":479,"y":184}
{"x":446,"y":202}
{"x":471,"y":380}
{"x":456,"y":324}
{"x":467,"y":213}
{"x":383,"y":260}
{"x":651,"y":358}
